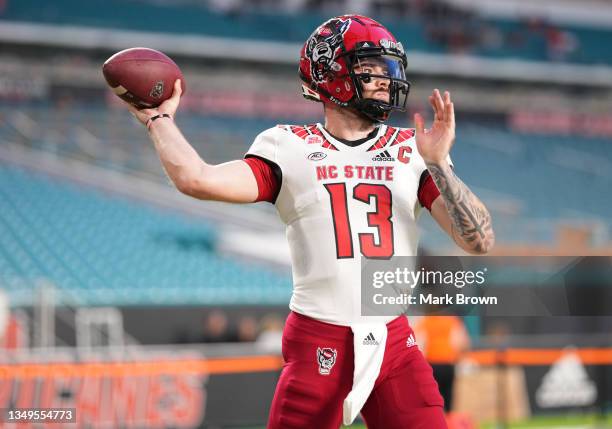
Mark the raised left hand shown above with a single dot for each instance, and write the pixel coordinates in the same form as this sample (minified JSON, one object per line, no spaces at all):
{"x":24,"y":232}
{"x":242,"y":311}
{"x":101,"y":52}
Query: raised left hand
{"x":434,"y":144}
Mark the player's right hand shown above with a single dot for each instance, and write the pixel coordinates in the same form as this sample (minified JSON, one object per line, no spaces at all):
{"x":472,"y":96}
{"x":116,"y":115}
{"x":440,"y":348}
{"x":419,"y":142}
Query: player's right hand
{"x":169,"y":106}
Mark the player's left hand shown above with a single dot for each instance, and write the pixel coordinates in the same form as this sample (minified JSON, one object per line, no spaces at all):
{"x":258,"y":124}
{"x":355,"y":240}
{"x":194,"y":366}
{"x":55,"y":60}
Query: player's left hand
{"x":434,"y":144}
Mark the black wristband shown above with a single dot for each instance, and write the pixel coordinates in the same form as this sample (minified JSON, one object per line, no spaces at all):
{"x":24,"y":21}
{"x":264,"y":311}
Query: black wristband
{"x":156,"y":117}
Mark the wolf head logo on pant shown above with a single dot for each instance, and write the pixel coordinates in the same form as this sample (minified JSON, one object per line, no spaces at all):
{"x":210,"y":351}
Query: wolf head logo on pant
{"x":326,"y":358}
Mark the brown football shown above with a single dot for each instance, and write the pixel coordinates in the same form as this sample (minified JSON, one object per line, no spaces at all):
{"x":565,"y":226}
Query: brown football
{"x":141,"y":76}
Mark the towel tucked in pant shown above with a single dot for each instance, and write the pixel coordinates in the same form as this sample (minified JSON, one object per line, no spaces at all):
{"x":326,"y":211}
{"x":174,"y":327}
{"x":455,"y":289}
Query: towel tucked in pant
{"x":318,"y":375}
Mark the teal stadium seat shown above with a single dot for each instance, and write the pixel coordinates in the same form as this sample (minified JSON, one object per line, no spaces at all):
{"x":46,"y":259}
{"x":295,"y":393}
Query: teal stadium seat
{"x":98,"y":249}
{"x":556,"y":176}
{"x":193,"y":19}
{"x":553,"y":177}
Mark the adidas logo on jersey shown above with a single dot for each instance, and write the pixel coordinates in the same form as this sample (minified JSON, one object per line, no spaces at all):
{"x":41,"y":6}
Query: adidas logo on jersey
{"x":370,"y":340}
{"x":383,"y":156}
{"x":411,"y":342}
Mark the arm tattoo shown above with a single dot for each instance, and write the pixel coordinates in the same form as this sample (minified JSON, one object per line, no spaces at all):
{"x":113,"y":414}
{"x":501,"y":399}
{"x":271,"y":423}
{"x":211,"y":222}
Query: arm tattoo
{"x":471,"y":220}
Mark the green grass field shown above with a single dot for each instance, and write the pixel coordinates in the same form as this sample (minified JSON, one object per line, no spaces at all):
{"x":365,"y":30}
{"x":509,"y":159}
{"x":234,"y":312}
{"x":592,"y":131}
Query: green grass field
{"x":544,"y":422}
{"x":561,"y":422}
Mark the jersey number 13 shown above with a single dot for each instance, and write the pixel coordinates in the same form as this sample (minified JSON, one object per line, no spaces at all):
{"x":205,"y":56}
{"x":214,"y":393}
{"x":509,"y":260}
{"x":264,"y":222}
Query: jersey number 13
{"x":379,"y":219}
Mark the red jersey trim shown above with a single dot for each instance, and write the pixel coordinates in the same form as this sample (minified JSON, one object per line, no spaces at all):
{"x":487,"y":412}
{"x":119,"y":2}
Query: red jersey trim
{"x":402,"y":136}
{"x":267,"y":182}
{"x":308,"y":133}
{"x":384,"y":139}
{"x":428,"y":191}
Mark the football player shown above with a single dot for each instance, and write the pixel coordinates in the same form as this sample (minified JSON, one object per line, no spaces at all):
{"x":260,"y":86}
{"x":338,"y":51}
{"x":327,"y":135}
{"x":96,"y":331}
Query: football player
{"x":349,"y":188}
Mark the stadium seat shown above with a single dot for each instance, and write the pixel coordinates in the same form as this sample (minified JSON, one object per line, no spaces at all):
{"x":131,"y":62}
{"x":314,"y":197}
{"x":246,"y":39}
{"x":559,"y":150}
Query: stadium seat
{"x":99,"y":249}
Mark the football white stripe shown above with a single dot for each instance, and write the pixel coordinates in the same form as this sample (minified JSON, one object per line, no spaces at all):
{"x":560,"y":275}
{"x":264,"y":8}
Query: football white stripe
{"x":119,"y":90}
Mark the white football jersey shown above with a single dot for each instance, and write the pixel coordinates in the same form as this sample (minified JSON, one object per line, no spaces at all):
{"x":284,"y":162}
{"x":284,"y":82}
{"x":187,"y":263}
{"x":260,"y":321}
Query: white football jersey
{"x":341,"y":203}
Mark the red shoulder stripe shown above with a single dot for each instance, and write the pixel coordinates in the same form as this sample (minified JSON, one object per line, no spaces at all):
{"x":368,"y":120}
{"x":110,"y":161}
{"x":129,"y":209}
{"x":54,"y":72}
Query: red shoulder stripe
{"x":315,"y":130}
{"x":403,"y":135}
{"x":327,"y":145}
{"x":383,"y":140}
{"x":311,"y":130}
{"x":301,"y":132}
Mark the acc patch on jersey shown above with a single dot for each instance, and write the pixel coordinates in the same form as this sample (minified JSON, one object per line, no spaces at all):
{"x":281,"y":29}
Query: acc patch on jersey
{"x":326,"y":358}
{"x":317,"y":156}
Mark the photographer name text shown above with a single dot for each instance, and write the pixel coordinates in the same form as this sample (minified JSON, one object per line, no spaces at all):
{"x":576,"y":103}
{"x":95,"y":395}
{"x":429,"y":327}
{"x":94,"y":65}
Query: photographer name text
{"x":431,"y":299}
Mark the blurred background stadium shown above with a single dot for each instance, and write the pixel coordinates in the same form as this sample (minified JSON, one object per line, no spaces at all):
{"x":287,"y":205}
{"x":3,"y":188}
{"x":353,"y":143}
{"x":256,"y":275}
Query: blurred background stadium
{"x":143,"y":308}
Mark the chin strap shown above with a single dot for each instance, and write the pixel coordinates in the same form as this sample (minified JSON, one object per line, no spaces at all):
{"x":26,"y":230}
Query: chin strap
{"x":373,"y":109}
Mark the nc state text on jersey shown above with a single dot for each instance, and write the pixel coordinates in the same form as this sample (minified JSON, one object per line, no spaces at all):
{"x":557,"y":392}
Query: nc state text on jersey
{"x":362,"y":172}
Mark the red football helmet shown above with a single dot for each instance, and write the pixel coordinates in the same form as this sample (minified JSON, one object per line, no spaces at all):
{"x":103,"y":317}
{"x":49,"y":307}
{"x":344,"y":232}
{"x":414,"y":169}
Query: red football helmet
{"x":331,"y":53}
